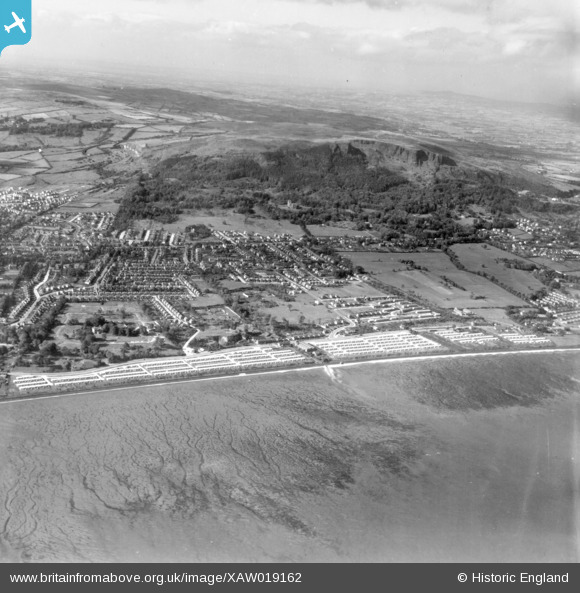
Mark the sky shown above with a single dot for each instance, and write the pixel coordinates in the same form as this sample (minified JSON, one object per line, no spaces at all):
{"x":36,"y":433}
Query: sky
{"x":525,"y":50}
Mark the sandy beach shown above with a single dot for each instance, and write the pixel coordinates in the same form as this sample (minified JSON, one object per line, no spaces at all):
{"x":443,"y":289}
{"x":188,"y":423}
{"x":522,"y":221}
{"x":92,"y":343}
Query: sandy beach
{"x":446,"y":459}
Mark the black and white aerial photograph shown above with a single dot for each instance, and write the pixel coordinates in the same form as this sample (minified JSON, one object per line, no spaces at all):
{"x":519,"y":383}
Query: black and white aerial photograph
{"x":290,"y":281}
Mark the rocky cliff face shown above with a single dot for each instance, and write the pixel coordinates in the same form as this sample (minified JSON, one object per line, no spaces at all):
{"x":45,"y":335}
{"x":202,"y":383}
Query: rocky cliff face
{"x":384,"y":154}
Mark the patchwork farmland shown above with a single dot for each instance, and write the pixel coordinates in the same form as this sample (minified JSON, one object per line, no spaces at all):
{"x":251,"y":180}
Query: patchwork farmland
{"x":434,"y":278}
{"x":485,"y":259}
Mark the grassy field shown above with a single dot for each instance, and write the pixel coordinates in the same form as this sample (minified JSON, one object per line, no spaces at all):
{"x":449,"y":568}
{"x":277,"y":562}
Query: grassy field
{"x":119,"y":312}
{"x":479,"y":257}
{"x":352,"y":289}
{"x":429,"y":284}
{"x":102,"y":201}
{"x":214,"y":316}
{"x":226,"y":221}
{"x":496,"y":316}
{"x":63,"y":337}
{"x":206,"y":300}
{"x":559,"y":266}
{"x":83,"y":178}
{"x":332,"y":231}
{"x":302,"y":306}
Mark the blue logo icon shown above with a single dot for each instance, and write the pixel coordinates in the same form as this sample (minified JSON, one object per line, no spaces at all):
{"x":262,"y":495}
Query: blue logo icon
{"x":15,"y":22}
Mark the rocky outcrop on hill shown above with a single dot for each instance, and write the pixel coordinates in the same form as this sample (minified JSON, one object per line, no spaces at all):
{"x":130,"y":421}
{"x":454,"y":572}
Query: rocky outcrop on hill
{"x":382,"y":154}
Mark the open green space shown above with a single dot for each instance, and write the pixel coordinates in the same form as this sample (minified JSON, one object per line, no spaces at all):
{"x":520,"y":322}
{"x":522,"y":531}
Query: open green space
{"x":491,"y":261}
{"x":119,"y":312}
{"x":433,"y":277}
{"x":224,"y":220}
{"x":300,"y":311}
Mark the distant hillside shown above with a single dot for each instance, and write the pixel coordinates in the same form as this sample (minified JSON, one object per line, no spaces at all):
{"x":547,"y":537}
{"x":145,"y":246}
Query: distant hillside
{"x":199,"y":104}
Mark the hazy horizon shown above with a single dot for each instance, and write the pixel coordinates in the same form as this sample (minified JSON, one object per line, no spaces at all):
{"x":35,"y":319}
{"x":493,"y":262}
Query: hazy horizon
{"x":511,"y":50}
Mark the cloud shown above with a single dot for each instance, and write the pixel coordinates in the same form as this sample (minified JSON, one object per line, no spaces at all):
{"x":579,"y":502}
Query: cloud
{"x":455,"y":5}
{"x":431,"y":42}
{"x":399,"y":38}
{"x":495,"y":10}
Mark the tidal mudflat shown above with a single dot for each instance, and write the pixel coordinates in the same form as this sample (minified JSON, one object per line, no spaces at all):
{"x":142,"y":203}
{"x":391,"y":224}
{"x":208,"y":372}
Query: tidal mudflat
{"x":466,"y":459}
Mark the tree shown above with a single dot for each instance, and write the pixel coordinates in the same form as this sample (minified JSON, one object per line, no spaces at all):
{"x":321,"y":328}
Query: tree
{"x":87,"y":341}
{"x":125,"y":349}
{"x":49,"y":349}
{"x":94,"y":349}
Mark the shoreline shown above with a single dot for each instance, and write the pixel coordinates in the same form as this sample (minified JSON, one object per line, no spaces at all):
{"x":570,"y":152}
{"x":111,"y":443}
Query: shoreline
{"x":332,"y":365}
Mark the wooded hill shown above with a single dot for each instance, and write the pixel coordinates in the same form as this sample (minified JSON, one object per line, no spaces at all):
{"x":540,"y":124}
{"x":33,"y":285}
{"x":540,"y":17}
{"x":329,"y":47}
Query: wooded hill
{"x":324,"y":184}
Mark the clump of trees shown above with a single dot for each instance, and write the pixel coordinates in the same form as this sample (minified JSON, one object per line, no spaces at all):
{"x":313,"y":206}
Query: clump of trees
{"x":199,"y":231}
{"x":151,"y":197}
{"x":73,"y":129}
{"x":30,"y":337}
